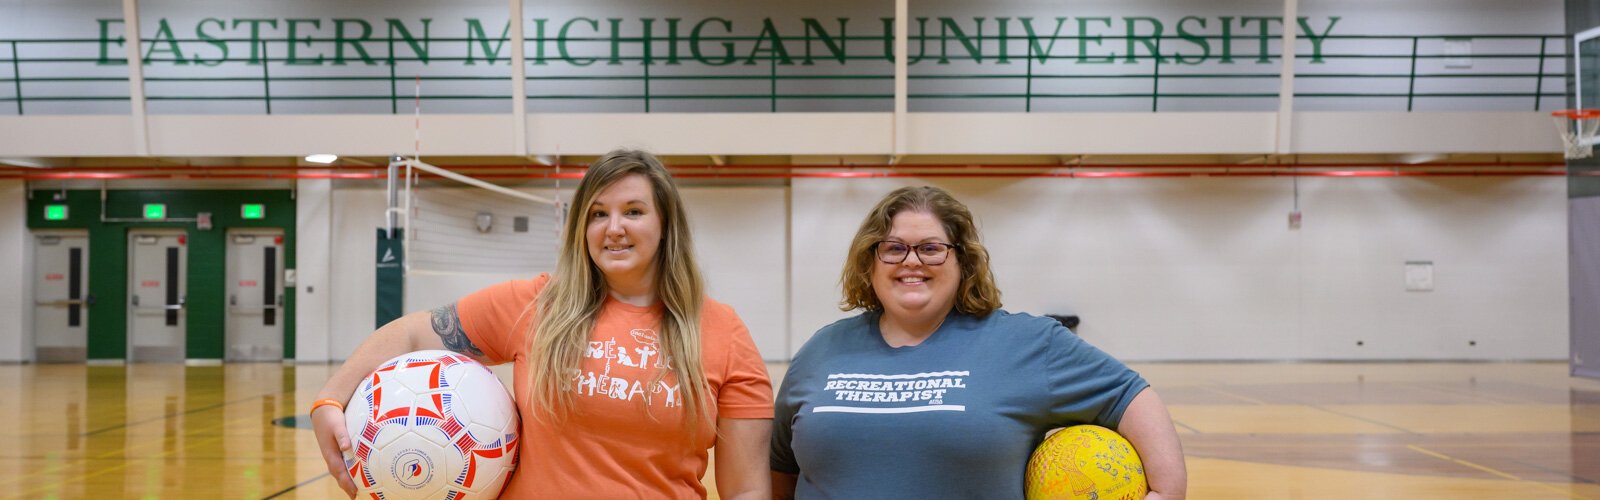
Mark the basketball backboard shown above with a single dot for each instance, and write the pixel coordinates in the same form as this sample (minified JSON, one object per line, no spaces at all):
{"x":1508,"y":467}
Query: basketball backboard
{"x":1586,"y":66}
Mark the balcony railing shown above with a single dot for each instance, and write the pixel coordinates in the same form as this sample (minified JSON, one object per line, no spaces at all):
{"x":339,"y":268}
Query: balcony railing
{"x":1367,"y":72}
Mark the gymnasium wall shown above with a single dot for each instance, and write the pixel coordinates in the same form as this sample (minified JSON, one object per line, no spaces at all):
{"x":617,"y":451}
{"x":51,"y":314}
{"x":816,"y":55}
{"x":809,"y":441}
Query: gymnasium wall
{"x":1197,"y":268}
{"x":16,"y":301}
{"x":1159,"y":269}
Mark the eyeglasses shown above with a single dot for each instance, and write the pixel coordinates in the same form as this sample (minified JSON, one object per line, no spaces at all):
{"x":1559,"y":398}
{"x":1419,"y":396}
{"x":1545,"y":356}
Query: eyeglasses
{"x":929,"y":254}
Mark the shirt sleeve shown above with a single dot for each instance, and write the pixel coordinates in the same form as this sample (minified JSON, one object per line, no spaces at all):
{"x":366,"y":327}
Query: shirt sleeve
{"x":1086,"y":384}
{"x":781,"y":459}
{"x":746,"y":392}
{"x":498,"y":318}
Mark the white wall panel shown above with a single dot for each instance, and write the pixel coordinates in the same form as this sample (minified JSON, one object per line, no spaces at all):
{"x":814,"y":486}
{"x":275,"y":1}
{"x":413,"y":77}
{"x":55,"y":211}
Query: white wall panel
{"x":348,"y":135}
{"x":313,"y":251}
{"x":16,"y":337}
{"x":357,"y":213}
{"x":1091,"y":133}
{"x":1333,"y":132}
{"x":1197,"y":268}
{"x":712,"y":133}
{"x":788,"y":134}
{"x":741,"y":241}
{"x":91,"y":135}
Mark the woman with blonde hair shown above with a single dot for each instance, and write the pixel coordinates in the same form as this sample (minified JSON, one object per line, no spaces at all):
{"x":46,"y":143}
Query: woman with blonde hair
{"x":936,"y":392}
{"x":624,"y":308}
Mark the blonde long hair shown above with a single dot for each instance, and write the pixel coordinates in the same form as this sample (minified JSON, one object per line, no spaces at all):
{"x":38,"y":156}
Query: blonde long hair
{"x":566,"y":310}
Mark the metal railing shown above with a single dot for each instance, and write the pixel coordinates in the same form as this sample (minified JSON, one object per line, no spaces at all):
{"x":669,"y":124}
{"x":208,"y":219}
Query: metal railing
{"x":269,"y":77}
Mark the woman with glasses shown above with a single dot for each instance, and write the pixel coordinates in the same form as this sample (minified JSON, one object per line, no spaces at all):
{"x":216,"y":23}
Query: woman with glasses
{"x":934,"y":391}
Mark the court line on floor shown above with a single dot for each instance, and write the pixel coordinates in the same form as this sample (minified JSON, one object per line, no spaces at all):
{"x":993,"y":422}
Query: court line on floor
{"x":1187,"y":426}
{"x":1469,"y":394}
{"x":125,"y":449}
{"x":170,"y":415}
{"x":1240,"y":397}
{"x":1365,"y":419}
{"x":292,"y":488}
{"x":1491,"y":470}
{"x":126,"y":463}
{"x":1575,"y":478}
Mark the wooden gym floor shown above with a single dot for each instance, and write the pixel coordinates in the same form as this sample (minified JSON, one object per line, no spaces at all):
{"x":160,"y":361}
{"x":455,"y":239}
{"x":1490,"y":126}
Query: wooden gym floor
{"x":1253,"y":430}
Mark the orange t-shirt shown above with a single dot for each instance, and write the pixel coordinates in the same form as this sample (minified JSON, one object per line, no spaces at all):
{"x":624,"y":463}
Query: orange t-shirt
{"x":626,"y":438}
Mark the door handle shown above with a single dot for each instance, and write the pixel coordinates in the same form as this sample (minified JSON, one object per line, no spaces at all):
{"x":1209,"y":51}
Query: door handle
{"x":62,"y":302}
{"x":280,"y":300}
{"x":233,"y":300}
{"x":136,"y":300}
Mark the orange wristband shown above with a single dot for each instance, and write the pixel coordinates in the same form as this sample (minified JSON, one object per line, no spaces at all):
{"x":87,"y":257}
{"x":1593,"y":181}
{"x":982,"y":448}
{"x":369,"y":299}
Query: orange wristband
{"x":326,"y":402}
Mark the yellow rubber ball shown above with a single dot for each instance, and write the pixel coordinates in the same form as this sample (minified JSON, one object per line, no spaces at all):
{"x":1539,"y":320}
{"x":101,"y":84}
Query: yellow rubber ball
{"x":1085,"y":462}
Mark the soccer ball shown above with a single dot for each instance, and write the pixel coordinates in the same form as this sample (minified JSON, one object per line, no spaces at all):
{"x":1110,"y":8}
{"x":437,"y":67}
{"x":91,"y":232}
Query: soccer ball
{"x":431,"y":425}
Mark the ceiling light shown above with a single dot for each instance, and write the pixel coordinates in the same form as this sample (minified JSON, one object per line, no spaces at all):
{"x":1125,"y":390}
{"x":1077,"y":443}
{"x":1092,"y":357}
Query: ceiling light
{"x":322,"y":158}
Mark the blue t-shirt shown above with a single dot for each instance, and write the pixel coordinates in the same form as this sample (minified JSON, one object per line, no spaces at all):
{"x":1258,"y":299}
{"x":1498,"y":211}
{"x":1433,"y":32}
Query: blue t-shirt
{"x":956,"y":416}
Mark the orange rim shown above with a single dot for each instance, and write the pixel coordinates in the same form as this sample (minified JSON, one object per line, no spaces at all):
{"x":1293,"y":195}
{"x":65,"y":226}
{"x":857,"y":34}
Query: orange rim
{"x":1578,"y":114}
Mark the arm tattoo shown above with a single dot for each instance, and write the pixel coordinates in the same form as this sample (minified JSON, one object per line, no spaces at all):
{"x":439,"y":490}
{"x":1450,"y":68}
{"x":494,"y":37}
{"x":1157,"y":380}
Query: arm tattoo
{"x":447,"y":325}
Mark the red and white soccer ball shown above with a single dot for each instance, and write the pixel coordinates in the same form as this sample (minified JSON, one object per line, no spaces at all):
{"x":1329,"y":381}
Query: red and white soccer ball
{"x":431,"y":425}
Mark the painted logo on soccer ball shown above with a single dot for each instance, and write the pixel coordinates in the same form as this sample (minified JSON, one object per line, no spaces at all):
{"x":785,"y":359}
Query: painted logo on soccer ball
{"x":412,"y":469}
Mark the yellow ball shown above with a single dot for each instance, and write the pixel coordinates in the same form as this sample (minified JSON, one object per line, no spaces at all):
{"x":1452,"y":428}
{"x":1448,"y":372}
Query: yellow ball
{"x":1085,"y":462}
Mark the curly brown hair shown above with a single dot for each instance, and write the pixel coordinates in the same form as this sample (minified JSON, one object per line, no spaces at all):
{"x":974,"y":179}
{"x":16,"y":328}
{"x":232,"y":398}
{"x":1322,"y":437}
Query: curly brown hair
{"x":977,"y":294}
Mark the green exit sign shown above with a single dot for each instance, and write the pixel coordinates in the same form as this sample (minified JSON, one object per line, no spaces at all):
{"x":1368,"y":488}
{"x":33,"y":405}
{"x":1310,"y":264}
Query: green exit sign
{"x":55,"y":212}
{"x":155,"y":211}
{"x":253,"y":211}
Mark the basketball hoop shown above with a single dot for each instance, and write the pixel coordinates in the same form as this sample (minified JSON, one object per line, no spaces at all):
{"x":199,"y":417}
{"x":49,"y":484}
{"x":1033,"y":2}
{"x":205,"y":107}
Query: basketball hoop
{"x":1578,"y":128}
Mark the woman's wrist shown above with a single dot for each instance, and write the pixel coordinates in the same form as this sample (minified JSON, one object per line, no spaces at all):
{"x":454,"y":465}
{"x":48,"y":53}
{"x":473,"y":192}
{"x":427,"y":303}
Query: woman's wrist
{"x":325,"y":402}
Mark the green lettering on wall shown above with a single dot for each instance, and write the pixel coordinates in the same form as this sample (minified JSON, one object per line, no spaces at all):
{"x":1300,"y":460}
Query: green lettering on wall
{"x":1152,"y":41}
{"x":1042,"y":52}
{"x":974,"y":48}
{"x":921,"y":38}
{"x":352,"y":37}
{"x":769,"y":34}
{"x":295,"y":41}
{"x":1084,"y":39}
{"x":255,"y":35}
{"x":616,"y":41}
{"x":672,"y":41}
{"x":561,"y":41}
{"x":1198,"y":41}
{"x":417,"y":49}
{"x":1263,"y":56}
{"x":694,"y":42}
{"x":475,"y":34}
{"x":1317,"y":38}
{"x":1227,"y":40}
{"x":105,"y":42}
{"x":814,"y":29}
{"x":538,"y":41}
{"x":647,"y":26}
{"x":340,"y":40}
{"x":1005,"y":40}
{"x":200,"y":32}
{"x":164,"y":31}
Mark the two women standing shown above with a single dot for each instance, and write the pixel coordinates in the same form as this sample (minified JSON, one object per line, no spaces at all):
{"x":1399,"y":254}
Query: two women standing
{"x":931,"y":392}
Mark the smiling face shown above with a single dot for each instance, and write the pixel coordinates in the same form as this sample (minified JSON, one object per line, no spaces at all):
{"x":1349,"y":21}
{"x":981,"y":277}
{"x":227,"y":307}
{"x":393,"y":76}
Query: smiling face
{"x":624,"y":233}
{"x":913,"y":290}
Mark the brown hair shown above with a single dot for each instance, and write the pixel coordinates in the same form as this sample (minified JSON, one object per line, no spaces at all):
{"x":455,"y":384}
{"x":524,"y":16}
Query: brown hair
{"x":976,"y":295}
